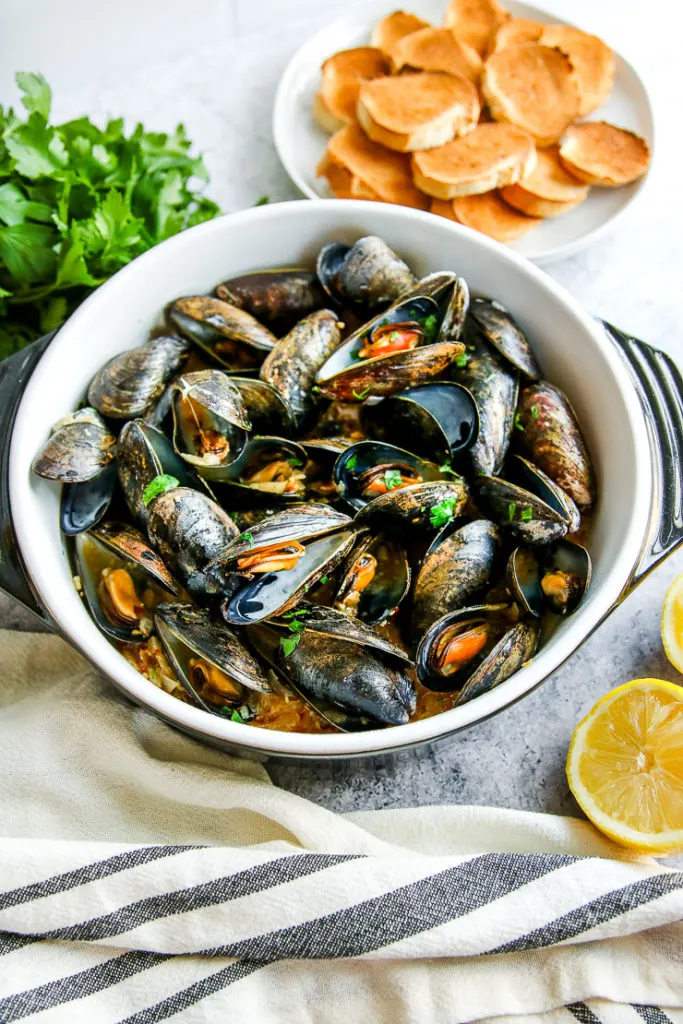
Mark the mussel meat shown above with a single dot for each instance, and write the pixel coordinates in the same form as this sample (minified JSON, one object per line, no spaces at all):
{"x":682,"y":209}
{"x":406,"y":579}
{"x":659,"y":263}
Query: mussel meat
{"x":374,"y":580}
{"x":549,"y":579}
{"x":210,"y":423}
{"x":368,"y":469}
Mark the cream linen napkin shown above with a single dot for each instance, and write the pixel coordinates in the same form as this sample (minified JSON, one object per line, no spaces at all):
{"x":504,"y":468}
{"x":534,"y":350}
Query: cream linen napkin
{"x":144,"y":877}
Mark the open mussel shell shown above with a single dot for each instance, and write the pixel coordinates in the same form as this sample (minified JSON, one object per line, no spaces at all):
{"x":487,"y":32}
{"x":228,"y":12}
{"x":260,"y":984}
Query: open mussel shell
{"x":295,"y":360}
{"x":210,"y":423}
{"x":368,"y":273}
{"x":143,"y":453}
{"x":551,"y":438}
{"x":420,"y":507}
{"x":322,"y":454}
{"x":529,"y":505}
{"x":501,"y":330}
{"x":274,"y":297}
{"x":265,"y":407}
{"x":114,"y":546}
{"x":549,"y":579}
{"x":368,"y":469}
{"x":474,"y":649}
{"x":129,"y":384}
{"x":83,"y":505}
{"x":458,"y":566}
{"x":231,"y":336}
{"x":455,"y":312}
{"x":189,"y":529}
{"x":438,"y":419}
{"x":494,"y":385}
{"x":78,"y":449}
{"x":196,"y":645}
{"x":413,"y":320}
{"x":268,"y":471}
{"x":525,"y":473}
{"x":374,"y":579}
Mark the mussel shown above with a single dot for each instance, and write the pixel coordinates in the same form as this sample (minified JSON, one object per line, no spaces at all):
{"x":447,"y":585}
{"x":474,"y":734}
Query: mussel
{"x":85,"y":504}
{"x":232,"y":337}
{"x":368,"y":469}
{"x":78,"y":449}
{"x":210,"y":423}
{"x":435,"y":420}
{"x":129,"y":384}
{"x":472,"y":650}
{"x":553,"y":578}
{"x":122,"y":579}
{"x":292,"y":365}
{"x":213,"y":665}
{"x":374,"y":580}
{"x":399,"y":348}
{"x":425,"y":507}
{"x":502,"y":331}
{"x":266,"y":570}
{"x":550,"y":437}
{"x":269,"y":470}
{"x":534,"y":510}
{"x":348,"y":671}
{"x":189,"y":529}
{"x":276,"y":297}
{"x":457,"y":567}
{"x":265,"y":407}
{"x":322,"y":454}
{"x":367,"y":274}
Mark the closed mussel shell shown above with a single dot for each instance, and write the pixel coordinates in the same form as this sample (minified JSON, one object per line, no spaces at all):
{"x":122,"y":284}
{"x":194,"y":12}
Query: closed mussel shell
{"x":83,"y":505}
{"x":129,"y":384}
{"x":526,"y":474}
{"x":502,"y":331}
{"x":374,"y":580}
{"x":231,"y":336}
{"x":458,"y":566}
{"x":368,"y":469}
{"x":549,"y":579}
{"x":367,"y":273}
{"x":422,"y":507}
{"x":524,"y":515}
{"x":438,"y":419}
{"x":274,"y":297}
{"x":78,"y":449}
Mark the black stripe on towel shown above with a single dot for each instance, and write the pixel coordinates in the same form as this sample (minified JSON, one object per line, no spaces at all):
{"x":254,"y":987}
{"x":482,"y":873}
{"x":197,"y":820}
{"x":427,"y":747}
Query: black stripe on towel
{"x":220,"y":890}
{"x":604,"y":908}
{"x":88,"y":873}
{"x":652,"y":1014}
{"x":193,"y":993}
{"x":583,"y":1013}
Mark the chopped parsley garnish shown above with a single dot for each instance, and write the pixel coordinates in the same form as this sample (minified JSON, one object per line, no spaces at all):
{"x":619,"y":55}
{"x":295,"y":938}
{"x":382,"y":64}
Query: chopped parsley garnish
{"x":447,"y":468}
{"x":262,"y":201}
{"x":351,"y":463}
{"x":443,"y":512}
{"x":295,"y":462}
{"x":324,"y":579}
{"x":315,"y":389}
{"x":518,"y":422}
{"x":534,"y":412}
{"x":361,"y":395}
{"x":462,"y":360}
{"x":526,"y":514}
{"x":392,"y":479}
{"x":159,"y":485}
{"x":512,"y":509}
{"x":298,"y":614}
{"x":430,"y":326}
{"x":235,"y":716}
{"x":394,"y":336}
{"x":289,"y":643}
{"x":248,"y":538}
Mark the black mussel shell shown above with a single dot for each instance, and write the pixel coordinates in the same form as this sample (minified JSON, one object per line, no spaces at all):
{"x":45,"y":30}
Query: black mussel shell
{"x":231,"y":336}
{"x":421,"y":507}
{"x":500,"y":329}
{"x":435,"y":420}
{"x":274,"y":297}
{"x":130,"y":384}
{"x":549,"y":579}
{"x":524,"y":473}
{"x":83,"y":505}
{"x":524,"y":515}
{"x":455,"y":313}
{"x":265,"y":406}
{"x":374,"y":580}
{"x":210,"y":423}
{"x":269,"y":470}
{"x":389,"y":467}
{"x":510,"y":654}
{"x":367,"y":274}
{"x":78,"y":449}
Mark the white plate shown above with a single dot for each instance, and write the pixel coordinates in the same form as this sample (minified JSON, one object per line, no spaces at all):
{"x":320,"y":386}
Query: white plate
{"x":301,"y":142}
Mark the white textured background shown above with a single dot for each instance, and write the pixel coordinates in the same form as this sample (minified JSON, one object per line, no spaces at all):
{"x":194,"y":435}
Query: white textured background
{"x":214,"y":64}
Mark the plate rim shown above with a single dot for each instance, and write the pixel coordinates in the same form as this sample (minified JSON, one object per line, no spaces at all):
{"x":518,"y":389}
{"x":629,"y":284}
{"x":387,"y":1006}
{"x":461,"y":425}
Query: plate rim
{"x":284,"y":102}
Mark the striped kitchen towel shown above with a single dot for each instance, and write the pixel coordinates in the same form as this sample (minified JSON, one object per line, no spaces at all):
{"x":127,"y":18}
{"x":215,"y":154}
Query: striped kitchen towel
{"x":145,"y":878}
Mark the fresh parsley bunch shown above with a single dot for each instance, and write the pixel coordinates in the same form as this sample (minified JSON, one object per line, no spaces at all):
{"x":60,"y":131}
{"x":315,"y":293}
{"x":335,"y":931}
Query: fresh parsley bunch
{"x":77,"y":203}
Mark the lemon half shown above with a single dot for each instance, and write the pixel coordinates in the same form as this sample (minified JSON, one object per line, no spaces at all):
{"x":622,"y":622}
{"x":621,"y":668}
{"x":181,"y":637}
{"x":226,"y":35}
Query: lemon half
{"x":672,"y":623}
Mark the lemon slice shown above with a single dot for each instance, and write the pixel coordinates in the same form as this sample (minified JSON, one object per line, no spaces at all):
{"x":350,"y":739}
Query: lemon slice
{"x":625,"y":766}
{"x":672,"y":623}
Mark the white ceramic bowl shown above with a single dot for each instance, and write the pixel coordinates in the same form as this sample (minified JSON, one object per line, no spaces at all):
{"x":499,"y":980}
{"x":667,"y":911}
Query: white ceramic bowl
{"x":301,"y":142}
{"x":574,"y":352}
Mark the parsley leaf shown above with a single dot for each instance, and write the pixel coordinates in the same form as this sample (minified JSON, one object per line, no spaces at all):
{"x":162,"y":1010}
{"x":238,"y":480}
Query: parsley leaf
{"x":248,"y":537}
{"x":462,"y":360}
{"x":262,"y":201}
{"x":518,"y":422}
{"x":534,"y":412}
{"x":392,"y":479}
{"x":37,"y":96}
{"x":351,"y":463}
{"x":235,"y":716}
{"x":361,"y":395}
{"x":442,"y":513}
{"x":430,"y":327}
{"x":295,"y":462}
{"x":289,"y":643}
{"x":527,"y":514}
{"x":512,"y":509}
{"x":447,"y":469}
{"x":324,"y":579}
{"x":158,"y":486}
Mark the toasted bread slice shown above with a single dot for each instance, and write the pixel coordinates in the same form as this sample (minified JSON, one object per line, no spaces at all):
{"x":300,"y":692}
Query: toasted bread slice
{"x":598,"y":153}
{"x":360,"y":190}
{"x":534,"y":206}
{"x":516,"y":32}
{"x":324,"y":116}
{"x":475,"y":21}
{"x":534,"y":87}
{"x":491,"y":156}
{"x":389,"y":30}
{"x":385,"y":172}
{"x":592,"y":59}
{"x":549,"y":180}
{"x":419,"y":111}
{"x":339,"y":178}
{"x":342,"y":75}
{"x":437,"y":49}
{"x":488,"y":214}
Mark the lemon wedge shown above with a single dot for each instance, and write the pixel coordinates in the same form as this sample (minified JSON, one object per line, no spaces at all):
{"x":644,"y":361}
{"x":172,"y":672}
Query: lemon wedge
{"x":625,"y":766}
{"x":672,"y":623}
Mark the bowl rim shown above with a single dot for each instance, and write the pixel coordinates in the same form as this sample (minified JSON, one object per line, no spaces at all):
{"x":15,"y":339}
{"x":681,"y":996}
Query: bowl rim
{"x":286,"y":95}
{"x":87,"y":638}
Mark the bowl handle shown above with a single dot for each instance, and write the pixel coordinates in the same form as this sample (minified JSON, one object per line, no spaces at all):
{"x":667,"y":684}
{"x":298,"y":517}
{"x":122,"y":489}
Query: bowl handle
{"x":14,"y":376}
{"x":659,"y":385}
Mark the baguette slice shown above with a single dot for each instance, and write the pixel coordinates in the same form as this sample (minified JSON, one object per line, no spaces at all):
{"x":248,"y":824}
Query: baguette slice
{"x":475,"y":21}
{"x":516,"y":32}
{"x":339,"y":178}
{"x":488,"y":214}
{"x":548,"y":190}
{"x":342,"y":75}
{"x":385,"y":172}
{"x":437,"y":49}
{"x":592,"y":59}
{"x":598,"y":153}
{"x":324,"y":116}
{"x":389,"y":30}
{"x":534,"y":87}
{"x":534,"y":206}
{"x":360,"y":190}
{"x":418,"y":111}
{"x":491,"y":156}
